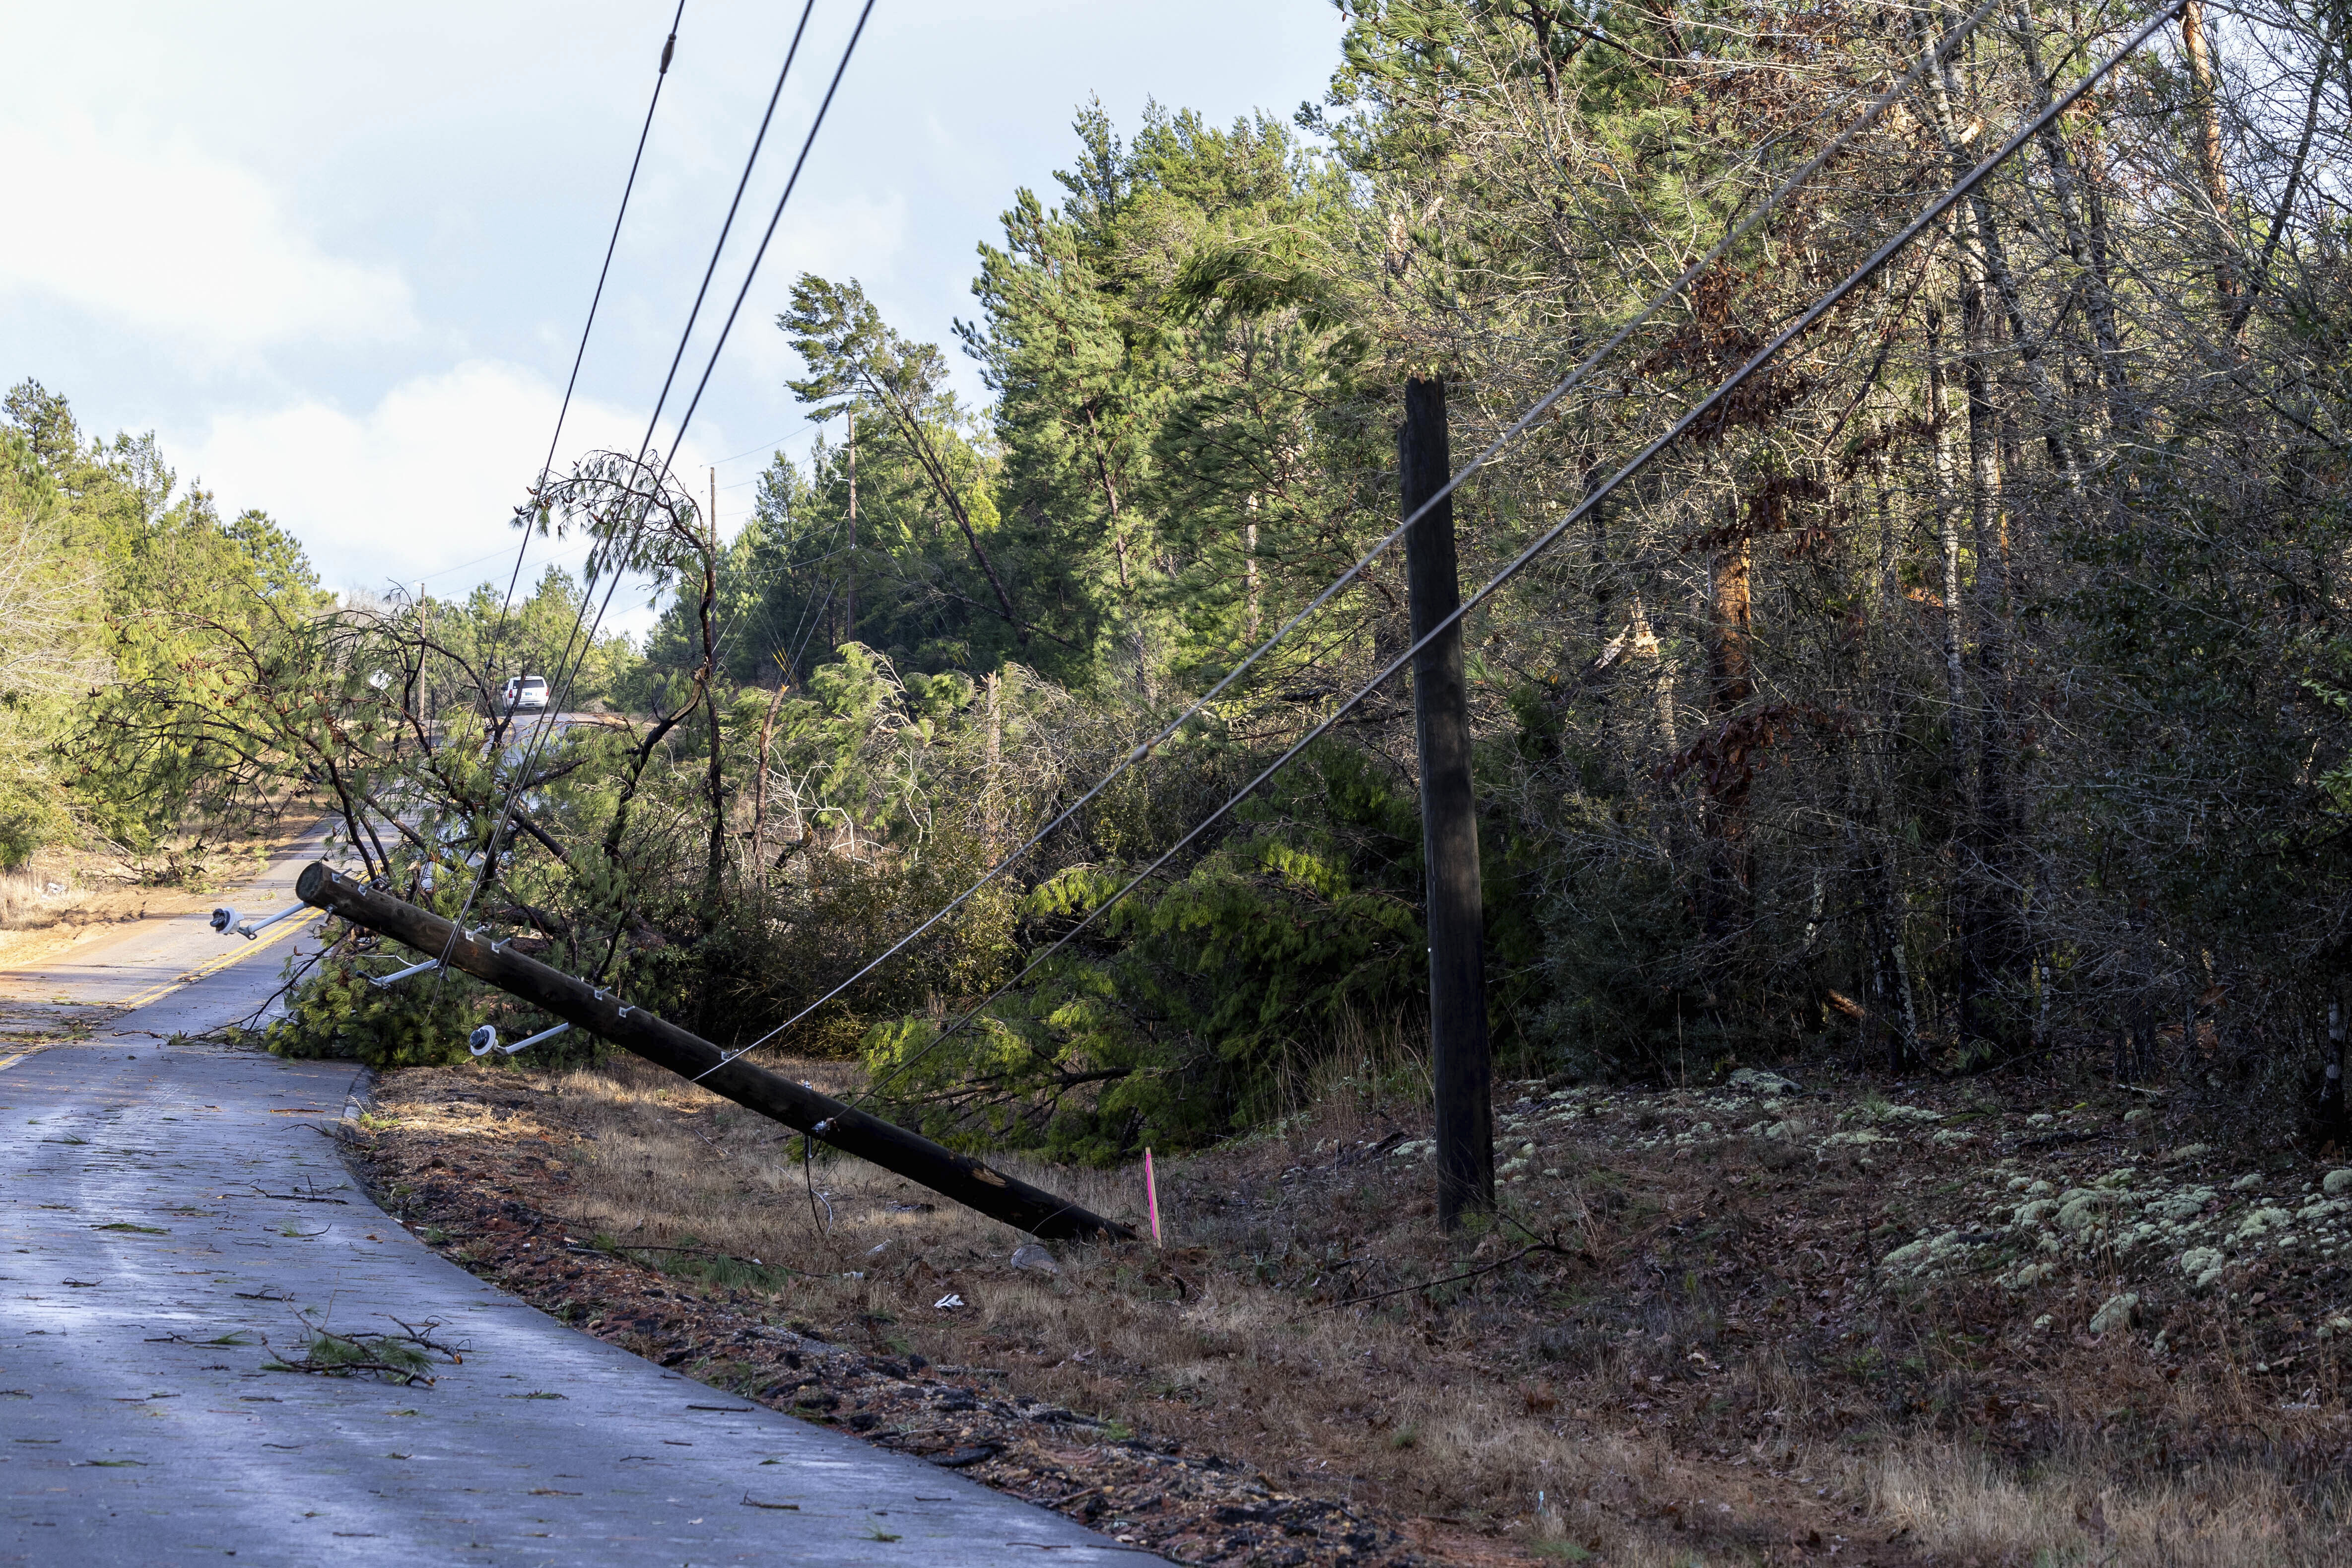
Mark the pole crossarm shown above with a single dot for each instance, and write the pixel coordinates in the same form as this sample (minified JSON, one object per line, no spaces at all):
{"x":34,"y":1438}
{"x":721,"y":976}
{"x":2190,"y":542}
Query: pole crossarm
{"x":968,"y":1181}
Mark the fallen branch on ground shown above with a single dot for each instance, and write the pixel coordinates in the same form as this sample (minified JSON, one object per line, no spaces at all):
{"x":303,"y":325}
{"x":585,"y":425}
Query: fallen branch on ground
{"x":399,"y":1358}
{"x":1456,"y":1279}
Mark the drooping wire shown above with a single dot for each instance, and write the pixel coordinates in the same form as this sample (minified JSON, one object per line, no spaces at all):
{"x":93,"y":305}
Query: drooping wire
{"x":734,"y":310}
{"x":580,"y":354}
{"x":1877,"y":107}
{"x":572,"y":638}
{"x":1860,"y":275}
{"x":767,"y":445}
{"x":775,"y":218}
{"x":541,"y":733}
{"x":669,"y":51}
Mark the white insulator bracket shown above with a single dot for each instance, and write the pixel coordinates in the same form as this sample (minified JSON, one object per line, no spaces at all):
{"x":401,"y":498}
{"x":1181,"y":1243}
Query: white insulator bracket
{"x":399,"y":975}
{"x":252,"y":929}
{"x":485,"y":1040}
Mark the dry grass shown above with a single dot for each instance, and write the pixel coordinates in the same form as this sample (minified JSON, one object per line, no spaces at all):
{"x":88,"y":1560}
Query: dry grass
{"x":1184,"y":1343}
{"x":1961,"y":1503}
{"x":33,"y":896}
{"x":1694,"y":1370}
{"x":64,"y":896}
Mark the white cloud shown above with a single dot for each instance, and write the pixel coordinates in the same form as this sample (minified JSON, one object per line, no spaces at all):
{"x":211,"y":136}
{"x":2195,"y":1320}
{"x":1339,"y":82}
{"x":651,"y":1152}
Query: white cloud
{"x":168,"y":239}
{"x":859,"y":236}
{"x":423,"y":485}
{"x":834,"y":239}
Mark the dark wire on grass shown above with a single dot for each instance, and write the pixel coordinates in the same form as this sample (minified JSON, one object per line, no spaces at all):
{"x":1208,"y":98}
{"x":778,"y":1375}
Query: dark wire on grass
{"x":1456,"y":1279}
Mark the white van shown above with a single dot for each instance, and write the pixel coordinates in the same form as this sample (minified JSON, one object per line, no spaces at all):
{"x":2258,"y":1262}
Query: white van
{"x":526,"y":691}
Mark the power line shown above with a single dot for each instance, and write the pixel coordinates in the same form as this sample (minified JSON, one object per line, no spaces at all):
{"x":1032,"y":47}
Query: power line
{"x":1575,"y":377}
{"x":669,"y":50}
{"x":661,"y":76}
{"x":744,"y":293}
{"x":1819,"y":308}
{"x":767,"y":445}
{"x":603,"y":272}
{"x":774,"y":218}
{"x":816,"y":124}
{"x":749,"y":274}
{"x":476,"y":561}
{"x":572,"y":638}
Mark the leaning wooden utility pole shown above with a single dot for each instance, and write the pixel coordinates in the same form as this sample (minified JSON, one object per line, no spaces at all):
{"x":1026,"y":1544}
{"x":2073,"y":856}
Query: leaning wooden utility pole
{"x":801,"y":1109}
{"x":1449,"y":821}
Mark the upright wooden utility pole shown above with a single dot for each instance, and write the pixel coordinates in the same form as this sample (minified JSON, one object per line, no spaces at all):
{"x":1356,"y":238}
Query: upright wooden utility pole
{"x":1449,"y":821}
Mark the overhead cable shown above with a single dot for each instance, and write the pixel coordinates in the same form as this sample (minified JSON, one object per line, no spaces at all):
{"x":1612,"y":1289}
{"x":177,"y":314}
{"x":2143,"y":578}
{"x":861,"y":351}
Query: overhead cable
{"x":1748,"y":226}
{"x":1819,"y":308}
{"x":611,"y":244}
{"x":563,"y":687}
{"x":710,"y":364}
{"x":669,"y":51}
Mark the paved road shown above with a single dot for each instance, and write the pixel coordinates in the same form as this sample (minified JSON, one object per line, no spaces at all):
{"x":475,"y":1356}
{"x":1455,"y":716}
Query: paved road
{"x":142,"y":1263}
{"x":137,"y":962}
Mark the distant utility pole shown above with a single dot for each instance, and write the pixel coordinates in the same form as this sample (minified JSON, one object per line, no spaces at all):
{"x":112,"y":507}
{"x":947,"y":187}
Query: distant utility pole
{"x":849,"y":568}
{"x":1449,"y":821}
{"x":424,"y":628}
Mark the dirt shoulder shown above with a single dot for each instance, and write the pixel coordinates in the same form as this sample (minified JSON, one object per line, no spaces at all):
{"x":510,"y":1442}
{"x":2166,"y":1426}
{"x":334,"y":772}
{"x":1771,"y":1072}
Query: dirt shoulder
{"x":1764,"y":1322}
{"x":484,"y":1164}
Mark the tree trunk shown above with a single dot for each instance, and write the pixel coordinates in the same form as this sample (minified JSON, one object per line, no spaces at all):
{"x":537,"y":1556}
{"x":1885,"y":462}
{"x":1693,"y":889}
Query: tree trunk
{"x":1601,"y":590}
{"x":716,"y":857}
{"x":943,"y":484}
{"x":2331,"y":1091}
{"x":1250,"y":611}
{"x":993,"y":793}
{"x":1948,"y":531}
{"x":1889,"y":967}
{"x":849,"y":560}
{"x":1989,"y":941}
{"x":1731,"y":686}
{"x":2206,"y":93}
{"x":2123,"y":396}
{"x":760,"y":781}
{"x":1110,"y":494}
{"x":1987,"y":928}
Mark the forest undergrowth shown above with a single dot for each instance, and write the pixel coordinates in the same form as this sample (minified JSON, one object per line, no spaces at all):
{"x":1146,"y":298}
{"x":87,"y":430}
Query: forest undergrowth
{"x":1743,"y":1323}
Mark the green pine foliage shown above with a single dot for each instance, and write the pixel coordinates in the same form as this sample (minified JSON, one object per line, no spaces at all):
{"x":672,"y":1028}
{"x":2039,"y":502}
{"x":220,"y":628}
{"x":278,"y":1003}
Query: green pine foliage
{"x":1969,"y":689}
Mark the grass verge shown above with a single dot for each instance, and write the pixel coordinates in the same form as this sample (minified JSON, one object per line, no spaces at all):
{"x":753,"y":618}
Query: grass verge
{"x":1751,"y":1324}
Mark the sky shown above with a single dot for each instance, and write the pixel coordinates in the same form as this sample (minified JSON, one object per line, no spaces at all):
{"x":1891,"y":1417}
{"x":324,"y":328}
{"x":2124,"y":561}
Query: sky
{"x":338,"y":259}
